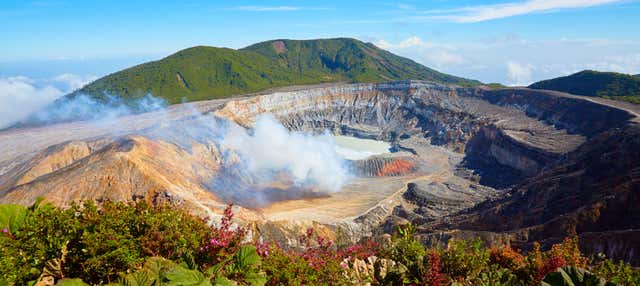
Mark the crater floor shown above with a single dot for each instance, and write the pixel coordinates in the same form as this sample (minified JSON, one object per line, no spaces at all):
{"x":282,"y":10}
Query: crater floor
{"x":456,"y":147}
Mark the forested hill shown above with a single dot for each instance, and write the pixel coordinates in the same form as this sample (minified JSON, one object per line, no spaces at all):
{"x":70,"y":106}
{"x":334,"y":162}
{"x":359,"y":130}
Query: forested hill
{"x":593,"y":83}
{"x":201,"y":72}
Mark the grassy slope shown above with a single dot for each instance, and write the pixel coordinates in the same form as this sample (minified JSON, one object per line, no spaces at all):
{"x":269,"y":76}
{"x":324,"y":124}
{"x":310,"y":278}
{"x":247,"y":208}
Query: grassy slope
{"x":592,"y":83}
{"x":200,"y":73}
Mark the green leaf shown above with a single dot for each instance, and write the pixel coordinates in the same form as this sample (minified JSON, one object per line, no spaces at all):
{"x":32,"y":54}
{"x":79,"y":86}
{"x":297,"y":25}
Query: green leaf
{"x":140,"y":278}
{"x":247,"y":257}
{"x":183,"y":276}
{"x":223,"y":281}
{"x":573,"y":276}
{"x":71,"y":282}
{"x":12,"y":217}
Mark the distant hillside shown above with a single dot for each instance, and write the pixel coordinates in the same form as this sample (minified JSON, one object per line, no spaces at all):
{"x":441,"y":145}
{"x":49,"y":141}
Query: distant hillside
{"x":593,"y":83}
{"x":201,"y":72}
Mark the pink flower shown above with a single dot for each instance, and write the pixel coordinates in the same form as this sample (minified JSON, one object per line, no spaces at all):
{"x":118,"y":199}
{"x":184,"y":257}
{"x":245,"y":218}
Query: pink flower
{"x":5,"y":230}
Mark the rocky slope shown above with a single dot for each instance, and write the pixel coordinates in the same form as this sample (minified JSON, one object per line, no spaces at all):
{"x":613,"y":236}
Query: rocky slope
{"x":593,"y":193}
{"x":546,"y":164}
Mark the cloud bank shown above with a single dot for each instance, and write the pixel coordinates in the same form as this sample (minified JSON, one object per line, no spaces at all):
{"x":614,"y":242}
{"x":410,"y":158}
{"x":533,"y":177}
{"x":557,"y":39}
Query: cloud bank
{"x":519,"y":74}
{"x":21,"y":96}
{"x":511,"y":60}
{"x":436,"y":55}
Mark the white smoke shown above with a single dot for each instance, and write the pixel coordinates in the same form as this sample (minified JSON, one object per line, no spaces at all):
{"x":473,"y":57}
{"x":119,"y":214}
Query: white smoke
{"x":267,"y":151}
{"x":83,"y":107}
{"x":269,"y":147}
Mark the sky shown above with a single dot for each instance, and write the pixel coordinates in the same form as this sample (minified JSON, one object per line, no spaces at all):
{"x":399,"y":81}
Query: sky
{"x":51,"y":47}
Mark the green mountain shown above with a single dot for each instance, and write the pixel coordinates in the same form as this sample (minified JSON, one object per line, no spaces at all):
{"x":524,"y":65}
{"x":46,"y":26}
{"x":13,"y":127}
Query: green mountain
{"x":593,"y":83}
{"x":200,"y":73}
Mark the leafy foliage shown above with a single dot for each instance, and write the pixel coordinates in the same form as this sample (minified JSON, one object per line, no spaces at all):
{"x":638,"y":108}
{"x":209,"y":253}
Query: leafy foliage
{"x":627,"y":98}
{"x":201,"y":72}
{"x":159,"y":271}
{"x":572,"y":276}
{"x":464,"y":259}
{"x":592,"y":83}
{"x":319,"y":262}
{"x":11,"y":217}
{"x":136,"y":244}
{"x":619,"y":273}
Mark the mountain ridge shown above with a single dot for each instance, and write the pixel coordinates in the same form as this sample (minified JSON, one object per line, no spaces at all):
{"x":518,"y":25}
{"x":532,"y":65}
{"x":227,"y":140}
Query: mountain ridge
{"x":610,"y":85}
{"x":203,"y":72}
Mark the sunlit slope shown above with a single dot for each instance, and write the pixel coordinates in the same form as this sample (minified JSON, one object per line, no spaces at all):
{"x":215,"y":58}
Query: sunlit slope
{"x":612,"y":85}
{"x":200,"y":73}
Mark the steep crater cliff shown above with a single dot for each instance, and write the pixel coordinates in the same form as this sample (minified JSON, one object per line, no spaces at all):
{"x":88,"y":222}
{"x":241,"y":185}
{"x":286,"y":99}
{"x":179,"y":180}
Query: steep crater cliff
{"x":454,"y":148}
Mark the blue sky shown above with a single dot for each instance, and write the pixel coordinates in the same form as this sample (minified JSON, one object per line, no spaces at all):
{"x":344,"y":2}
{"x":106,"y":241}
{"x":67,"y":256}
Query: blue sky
{"x":513,"y":42}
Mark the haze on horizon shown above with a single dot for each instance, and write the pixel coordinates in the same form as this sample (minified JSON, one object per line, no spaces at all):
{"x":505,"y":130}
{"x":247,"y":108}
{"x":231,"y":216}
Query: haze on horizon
{"x":56,"y":46}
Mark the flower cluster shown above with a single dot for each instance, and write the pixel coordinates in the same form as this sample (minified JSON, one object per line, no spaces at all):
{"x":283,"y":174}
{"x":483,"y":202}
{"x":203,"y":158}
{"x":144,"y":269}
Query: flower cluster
{"x":263,"y":249}
{"x":223,"y":240}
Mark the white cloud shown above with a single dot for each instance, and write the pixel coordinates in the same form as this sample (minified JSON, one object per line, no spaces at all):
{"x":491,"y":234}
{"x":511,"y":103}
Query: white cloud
{"x":74,"y":81}
{"x":472,"y":14}
{"x":21,"y":96}
{"x":427,"y":53}
{"x":406,"y":43}
{"x":519,"y":74}
{"x":532,"y":60}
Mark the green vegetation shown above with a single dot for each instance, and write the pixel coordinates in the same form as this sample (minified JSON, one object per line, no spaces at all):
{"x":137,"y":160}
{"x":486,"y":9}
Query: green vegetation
{"x":139,"y":244}
{"x":495,"y":85}
{"x":201,"y":73}
{"x":592,"y":83}
{"x":630,"y":98}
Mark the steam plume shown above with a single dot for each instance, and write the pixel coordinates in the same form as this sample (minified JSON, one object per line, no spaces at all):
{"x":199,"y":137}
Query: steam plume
{"x":269,"y":147}
{"x":83,"y":107}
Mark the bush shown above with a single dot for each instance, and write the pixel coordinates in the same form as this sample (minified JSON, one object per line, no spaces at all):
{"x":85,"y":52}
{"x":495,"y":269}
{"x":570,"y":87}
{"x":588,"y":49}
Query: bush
{"x":620,"y":273}
{"x":506,"y":257}
{"x":464,"y":259}
{"x":42,"y":236}
{"x":101,"y":242}
{"x":140,"y":244}
{"x":318,"y":263}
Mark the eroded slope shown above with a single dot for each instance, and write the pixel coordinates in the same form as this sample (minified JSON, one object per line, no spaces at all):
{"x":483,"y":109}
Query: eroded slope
{"x":456,"y":147}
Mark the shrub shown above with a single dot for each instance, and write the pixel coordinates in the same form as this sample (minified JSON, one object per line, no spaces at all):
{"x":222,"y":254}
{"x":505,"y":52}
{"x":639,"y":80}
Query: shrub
{"x":620,"y":273}
{"x":318,"y":263}
{"x":464,"y":260}
{"x":411,"y":262}
{"x":104,"y":241}
{"x":571,"y":275}
{"x":118,"y":236}
{"x":140,"y":244}
{"x":11,"y":218}
{"x":41,"y":237}
{"x":569,"y":252}
{"x":506,"y":257}
{"x":494,"y":276}
{"x":220,"y":242}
